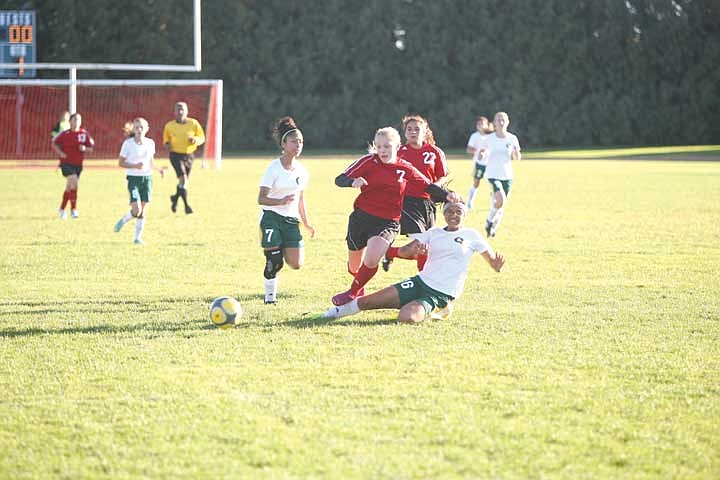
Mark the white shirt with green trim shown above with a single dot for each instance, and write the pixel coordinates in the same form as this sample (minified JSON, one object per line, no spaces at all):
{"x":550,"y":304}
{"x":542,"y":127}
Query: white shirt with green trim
{"x":500,"y":149}
{"x":475,"y":141}
{"x":449,"y":255}
{"x":135,"y":152}
{"x":283,"y":182}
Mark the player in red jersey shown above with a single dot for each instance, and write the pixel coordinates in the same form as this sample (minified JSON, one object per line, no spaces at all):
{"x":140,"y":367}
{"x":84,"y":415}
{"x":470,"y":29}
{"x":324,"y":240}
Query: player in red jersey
{"x":71,"y":146}
{"x":382,"y":178}
{"x":418,"y":211}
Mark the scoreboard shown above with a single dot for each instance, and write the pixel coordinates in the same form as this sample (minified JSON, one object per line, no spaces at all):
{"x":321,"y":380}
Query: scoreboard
{"x":17,"y":42}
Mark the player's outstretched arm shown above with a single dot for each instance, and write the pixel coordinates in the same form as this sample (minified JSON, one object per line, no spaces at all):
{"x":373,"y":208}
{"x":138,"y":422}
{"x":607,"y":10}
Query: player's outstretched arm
{"x":495,"y":259}
{"x":412,"y":249}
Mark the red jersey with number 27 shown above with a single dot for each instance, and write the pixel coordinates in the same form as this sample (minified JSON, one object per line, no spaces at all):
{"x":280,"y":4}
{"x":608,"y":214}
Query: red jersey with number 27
{"x":383,"y":195}
{"x":69,"y":142}
{"x":430,"y":160}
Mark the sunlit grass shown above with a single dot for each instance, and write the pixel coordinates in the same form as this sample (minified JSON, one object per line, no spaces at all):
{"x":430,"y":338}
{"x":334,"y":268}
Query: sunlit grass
{"x":596,"y":354}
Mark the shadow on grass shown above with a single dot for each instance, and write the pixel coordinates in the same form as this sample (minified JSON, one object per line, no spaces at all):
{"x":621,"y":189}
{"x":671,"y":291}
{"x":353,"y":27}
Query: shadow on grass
{"x":191,"y":323}
{"x":194,"y":323}
{"x":147,"y":327}
{"x":317,"y":320}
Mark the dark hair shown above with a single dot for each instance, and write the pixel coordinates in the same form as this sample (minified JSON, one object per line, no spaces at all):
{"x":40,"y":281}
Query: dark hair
{"x":490,"y":127}
{"x":282,"y":127}
{"x":429,"y":136}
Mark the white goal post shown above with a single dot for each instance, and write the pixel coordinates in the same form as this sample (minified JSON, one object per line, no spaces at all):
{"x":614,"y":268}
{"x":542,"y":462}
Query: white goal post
{"x":29,"y":108}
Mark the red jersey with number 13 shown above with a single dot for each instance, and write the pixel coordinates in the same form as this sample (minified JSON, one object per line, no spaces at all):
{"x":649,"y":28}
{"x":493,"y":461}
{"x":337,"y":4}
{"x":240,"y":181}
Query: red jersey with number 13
{"x":69,"y":142}
{"x":430,"y":160}
{"x":383,"y":195}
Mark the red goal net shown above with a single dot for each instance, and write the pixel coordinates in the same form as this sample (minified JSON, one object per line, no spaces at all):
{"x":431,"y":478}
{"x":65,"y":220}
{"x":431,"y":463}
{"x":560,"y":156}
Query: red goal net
{"x":28,"y":114}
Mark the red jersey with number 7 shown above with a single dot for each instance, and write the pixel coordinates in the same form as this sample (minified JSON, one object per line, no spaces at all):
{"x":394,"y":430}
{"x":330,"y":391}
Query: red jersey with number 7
{"x":69,"y":142}
{"x":383,"y":195}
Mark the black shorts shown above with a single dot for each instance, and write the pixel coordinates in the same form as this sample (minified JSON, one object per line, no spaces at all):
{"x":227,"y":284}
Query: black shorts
{"x":182,"y":163}
{"x":418,"y":215}
{"x":68,"y":169}
{"x":362,"y":226}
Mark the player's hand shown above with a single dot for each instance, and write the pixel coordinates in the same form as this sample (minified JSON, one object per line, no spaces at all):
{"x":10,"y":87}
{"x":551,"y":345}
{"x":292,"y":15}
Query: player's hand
{"x":191,"y":140}
{"x":498,"y":262}
{"x":138,"y":165}
{"x":310,"y":230}
{"x":359,"y":182}
{"x":82,"y":148}
{"x":412,"y":249}
{"x":453,"y":197}
{"x":287,"y":199}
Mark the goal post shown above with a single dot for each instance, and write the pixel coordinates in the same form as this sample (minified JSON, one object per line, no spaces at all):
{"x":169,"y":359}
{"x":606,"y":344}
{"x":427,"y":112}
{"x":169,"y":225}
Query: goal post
{"x":29,"y":109}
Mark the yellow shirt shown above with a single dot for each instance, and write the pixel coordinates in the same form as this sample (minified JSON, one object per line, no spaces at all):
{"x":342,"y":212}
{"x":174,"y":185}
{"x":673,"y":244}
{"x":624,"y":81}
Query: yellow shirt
{"x":178,"y":135}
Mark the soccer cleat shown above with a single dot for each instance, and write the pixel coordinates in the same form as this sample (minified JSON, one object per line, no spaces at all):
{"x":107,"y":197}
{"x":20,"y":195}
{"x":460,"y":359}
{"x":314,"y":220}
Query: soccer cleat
{"x":386,"y":262}
{"x":63,"y":214}
{"x":347,"y":297}
{"x":442,"y":313}
{"x":138,"y":241}
{"x":488,"y":228}
{"x":270,"y":302}
{"x":173,"y":203}
{"x":118,"y":225}
{"x":332,"y":313}
{"x":188,"y":210}
{"x":74,"y":213}
{"x":342,"y":298}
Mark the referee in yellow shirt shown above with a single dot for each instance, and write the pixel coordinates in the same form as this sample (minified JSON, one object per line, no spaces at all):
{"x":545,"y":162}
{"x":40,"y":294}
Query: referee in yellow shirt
{"x":182,"y":136}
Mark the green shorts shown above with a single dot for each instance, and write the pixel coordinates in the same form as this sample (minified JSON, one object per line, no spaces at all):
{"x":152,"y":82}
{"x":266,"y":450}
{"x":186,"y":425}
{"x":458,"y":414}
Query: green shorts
{"x":140,"y":188}
{"x":279,"y":231}
{"x":415,"y":290}
{"x":506,"y":185}
{"x":478,"y":171}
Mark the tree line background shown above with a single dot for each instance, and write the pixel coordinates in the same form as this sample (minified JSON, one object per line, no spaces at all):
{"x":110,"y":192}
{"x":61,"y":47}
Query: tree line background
{"x":568,"y":72}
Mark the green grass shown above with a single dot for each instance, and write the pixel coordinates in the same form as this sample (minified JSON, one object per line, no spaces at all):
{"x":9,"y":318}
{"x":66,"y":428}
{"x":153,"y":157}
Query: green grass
{"x":595,"y":354}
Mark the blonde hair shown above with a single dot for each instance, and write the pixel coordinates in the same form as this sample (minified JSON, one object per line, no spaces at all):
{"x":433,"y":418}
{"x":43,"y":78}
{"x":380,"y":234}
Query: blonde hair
{"x":388,"y":132}
{"x":142,"y":121}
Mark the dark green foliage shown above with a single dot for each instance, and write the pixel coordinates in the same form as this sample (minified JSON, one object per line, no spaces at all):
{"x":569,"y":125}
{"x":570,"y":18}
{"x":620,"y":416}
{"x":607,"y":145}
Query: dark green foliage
{"x":568,"y":72}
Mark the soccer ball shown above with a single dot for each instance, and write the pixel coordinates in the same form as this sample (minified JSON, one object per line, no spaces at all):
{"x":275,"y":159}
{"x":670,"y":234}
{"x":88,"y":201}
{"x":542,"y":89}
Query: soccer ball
{"x":225,"y":312}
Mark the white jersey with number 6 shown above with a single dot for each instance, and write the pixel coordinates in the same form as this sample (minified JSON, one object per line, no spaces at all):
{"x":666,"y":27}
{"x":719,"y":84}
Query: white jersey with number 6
{"x":449,"y":255}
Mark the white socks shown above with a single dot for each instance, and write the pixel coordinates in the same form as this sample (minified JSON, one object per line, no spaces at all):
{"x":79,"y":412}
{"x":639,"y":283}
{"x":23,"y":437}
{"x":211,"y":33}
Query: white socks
{"x":139,"y":227}
{"x":271,"y":288}
{"x":492,"y":213}
{"x":471,"y":196}
{"x":126,"y":218}
{"x":348,"y":309}
{"x":498,"y":217}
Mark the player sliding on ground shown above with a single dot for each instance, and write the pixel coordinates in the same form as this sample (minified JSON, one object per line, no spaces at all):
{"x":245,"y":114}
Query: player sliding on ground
{"x":431,"y":292}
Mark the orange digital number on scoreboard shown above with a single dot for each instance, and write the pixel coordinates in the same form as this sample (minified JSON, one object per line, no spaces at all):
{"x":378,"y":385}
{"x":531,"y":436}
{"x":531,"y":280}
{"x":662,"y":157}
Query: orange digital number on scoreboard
{"x":20,"y":33}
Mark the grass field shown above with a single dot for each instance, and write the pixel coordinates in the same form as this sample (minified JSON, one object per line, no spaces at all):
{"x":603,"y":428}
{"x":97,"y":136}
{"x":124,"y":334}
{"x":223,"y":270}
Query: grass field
{"x":595,"y":354}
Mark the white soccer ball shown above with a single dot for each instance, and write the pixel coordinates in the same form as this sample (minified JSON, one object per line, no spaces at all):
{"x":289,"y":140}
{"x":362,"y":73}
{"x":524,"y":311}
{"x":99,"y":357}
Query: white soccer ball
{"x":225,"y":312}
